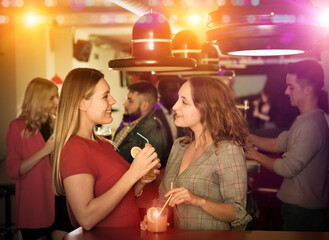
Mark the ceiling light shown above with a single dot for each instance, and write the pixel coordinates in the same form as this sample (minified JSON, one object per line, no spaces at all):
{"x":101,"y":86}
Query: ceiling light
{"x":186,"y":44}
{"x":151,"y":48}
{"x":271,"y":28}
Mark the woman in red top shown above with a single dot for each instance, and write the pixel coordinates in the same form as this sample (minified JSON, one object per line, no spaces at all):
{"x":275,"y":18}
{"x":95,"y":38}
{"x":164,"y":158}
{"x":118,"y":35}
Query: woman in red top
{"x":99,"y":184}
{"x":29,"y":143}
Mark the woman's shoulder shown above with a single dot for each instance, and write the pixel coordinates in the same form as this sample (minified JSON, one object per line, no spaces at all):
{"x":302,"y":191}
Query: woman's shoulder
{"x":76,"y":142}
{"x":226,"y":145}
{"x":17,"y":124}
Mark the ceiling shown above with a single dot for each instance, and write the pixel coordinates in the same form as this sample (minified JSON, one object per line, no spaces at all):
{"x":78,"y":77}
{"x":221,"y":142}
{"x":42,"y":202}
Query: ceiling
{"x":112,"y":21}
{"x":94,"y":20}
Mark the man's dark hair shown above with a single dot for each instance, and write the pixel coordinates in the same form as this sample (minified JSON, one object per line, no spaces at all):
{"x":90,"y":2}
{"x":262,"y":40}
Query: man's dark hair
{"x":310,"y":71}
{"x":146,"y":89}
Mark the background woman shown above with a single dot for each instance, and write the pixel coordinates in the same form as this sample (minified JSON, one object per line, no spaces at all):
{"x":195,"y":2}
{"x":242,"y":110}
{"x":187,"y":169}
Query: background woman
{"x":207,"y":167}
{"x":99,"y":184}
{"x":29,"y":143}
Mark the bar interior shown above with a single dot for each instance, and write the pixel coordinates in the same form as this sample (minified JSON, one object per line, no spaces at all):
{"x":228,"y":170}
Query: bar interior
{"x":247,"y":47}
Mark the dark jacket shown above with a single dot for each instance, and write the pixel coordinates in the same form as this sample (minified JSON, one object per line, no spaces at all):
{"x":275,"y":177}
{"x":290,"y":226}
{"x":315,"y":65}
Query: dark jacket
{"x":151,"y":128}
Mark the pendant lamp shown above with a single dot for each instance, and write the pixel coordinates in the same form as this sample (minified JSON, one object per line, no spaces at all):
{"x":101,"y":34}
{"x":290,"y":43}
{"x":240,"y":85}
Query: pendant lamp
{"x":186,"y":44}
{"x":265,"y":28}
{"x":151,"y":48}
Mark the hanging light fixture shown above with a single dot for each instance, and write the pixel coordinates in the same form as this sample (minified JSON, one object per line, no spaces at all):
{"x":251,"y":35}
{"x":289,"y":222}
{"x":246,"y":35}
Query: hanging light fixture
{"x":151,"y":48}
{"x":186,"y":44}
{"x":265,"y":28}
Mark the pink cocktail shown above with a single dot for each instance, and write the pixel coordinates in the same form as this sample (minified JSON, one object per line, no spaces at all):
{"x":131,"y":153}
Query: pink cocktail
{"x":156,"y":222}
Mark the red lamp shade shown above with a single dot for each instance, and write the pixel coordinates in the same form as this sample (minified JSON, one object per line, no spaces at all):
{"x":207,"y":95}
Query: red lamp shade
{"x":151,"y":48}
{"x":151,"y":36}
{"x":186,"y":44}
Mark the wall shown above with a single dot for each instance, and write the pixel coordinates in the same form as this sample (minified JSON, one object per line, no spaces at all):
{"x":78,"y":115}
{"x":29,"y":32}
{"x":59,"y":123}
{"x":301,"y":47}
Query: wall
{"x":100,"y":55}
{"x":41,"y":52}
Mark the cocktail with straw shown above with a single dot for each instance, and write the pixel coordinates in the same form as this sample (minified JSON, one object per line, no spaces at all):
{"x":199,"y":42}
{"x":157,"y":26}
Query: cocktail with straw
{"x":135,"y":150}
{"x":157,"y":217}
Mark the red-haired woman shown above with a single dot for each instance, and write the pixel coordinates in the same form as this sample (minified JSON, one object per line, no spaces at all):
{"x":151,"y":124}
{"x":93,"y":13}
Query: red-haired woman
{"x":207,"y":166}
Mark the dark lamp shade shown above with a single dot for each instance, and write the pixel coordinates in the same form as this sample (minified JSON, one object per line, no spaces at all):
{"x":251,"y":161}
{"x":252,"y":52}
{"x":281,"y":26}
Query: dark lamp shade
{"x":151,"y":48}
{"x":152,"y":65}
{"x":271,"y":28}
{"x":201,"y":70}
{"x":268,"y":40}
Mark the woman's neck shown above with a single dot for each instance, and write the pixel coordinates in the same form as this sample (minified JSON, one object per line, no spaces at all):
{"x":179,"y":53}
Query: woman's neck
{"x":202,"y":141}
{"x":85,"y":129}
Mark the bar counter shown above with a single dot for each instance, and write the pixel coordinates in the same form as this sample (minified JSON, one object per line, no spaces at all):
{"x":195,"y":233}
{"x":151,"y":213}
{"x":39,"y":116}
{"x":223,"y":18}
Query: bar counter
{"x":176,"y":234}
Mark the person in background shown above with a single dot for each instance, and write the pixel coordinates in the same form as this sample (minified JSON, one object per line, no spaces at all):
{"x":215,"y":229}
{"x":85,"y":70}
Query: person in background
{"x":262,"y":108}
{"x":29,"y":144}
{"x":99,"y":184}
{"x":305,"y":147}
{"x":207,"y":167}
{"x":140,"y":118}
{"x":168,"y":94}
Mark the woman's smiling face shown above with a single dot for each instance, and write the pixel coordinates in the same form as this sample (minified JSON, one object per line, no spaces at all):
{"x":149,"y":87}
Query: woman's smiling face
{"x":187,"y":115}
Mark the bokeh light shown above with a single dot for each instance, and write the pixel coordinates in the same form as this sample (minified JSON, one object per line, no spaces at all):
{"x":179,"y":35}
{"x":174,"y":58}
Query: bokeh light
{"x":19,"y":3}
{"x":60,"y":19}
{"x":6,"y":3}
{"x":120,"y":18}
{"x":221,"y":2}
{"x":90,"y":3}
{"x":104,"y":18}
{"x":193,"y":19}
{"x":324,"y":18}
{"x":50,"y":3}
{"x":77,"y":5}
{"x":173,"y":18}
{"x":30,"y":19}
{"x":107,"y":3}
{"x":168,"y":3}
{"x":226,"y":19}
{"x":255,"y":2}
{"x":251,"y":18}
{"x":4,"y":19}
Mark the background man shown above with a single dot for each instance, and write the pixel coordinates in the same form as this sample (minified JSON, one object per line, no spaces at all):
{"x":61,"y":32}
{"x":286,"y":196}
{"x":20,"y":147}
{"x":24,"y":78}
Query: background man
{"x":139,"y":118}
{"x":305,"y":147}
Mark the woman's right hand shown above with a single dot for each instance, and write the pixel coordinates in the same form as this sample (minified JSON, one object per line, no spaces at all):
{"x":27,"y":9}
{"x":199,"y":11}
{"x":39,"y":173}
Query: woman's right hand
{"x":145,"y":160}
{"x":50,"y":144}
{"x":143,"y":224}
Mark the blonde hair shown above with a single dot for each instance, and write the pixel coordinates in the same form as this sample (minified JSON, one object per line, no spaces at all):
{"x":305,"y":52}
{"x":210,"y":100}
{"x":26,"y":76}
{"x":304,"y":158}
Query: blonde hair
{"x":218,"y":112}
{"x":35,"y":106}
{"x":79,"y":84}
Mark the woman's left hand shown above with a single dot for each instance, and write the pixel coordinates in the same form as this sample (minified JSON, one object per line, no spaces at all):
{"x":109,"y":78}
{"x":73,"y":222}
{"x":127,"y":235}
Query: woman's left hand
{"x":182,"y":195}
{"x":150,"y":178}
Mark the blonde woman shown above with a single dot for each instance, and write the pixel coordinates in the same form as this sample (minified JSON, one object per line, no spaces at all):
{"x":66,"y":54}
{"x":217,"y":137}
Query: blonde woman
{"x":29,"y":143}
{"x":99,"y":184}
{"x":207,"y":167}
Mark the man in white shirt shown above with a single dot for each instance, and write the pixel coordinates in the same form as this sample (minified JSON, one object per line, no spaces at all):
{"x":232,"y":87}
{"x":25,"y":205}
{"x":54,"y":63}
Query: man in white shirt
{"x":305,"y":148}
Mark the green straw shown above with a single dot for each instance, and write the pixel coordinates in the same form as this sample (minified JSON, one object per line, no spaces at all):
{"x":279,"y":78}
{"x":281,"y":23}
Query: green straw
{"x":143,"y":137}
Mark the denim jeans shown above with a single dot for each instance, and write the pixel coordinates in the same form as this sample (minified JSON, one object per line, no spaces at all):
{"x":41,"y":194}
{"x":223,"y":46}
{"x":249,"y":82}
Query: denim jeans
{"x":297,"y":218}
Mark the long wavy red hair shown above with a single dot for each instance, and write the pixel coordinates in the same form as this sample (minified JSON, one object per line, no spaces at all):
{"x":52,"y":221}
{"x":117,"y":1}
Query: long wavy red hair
{"x":219,"y":114}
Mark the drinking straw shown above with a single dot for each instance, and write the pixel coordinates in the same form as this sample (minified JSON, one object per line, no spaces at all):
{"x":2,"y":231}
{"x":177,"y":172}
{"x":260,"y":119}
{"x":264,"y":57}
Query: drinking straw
{"x":143,"y":137}
{"x":171,"y":187}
